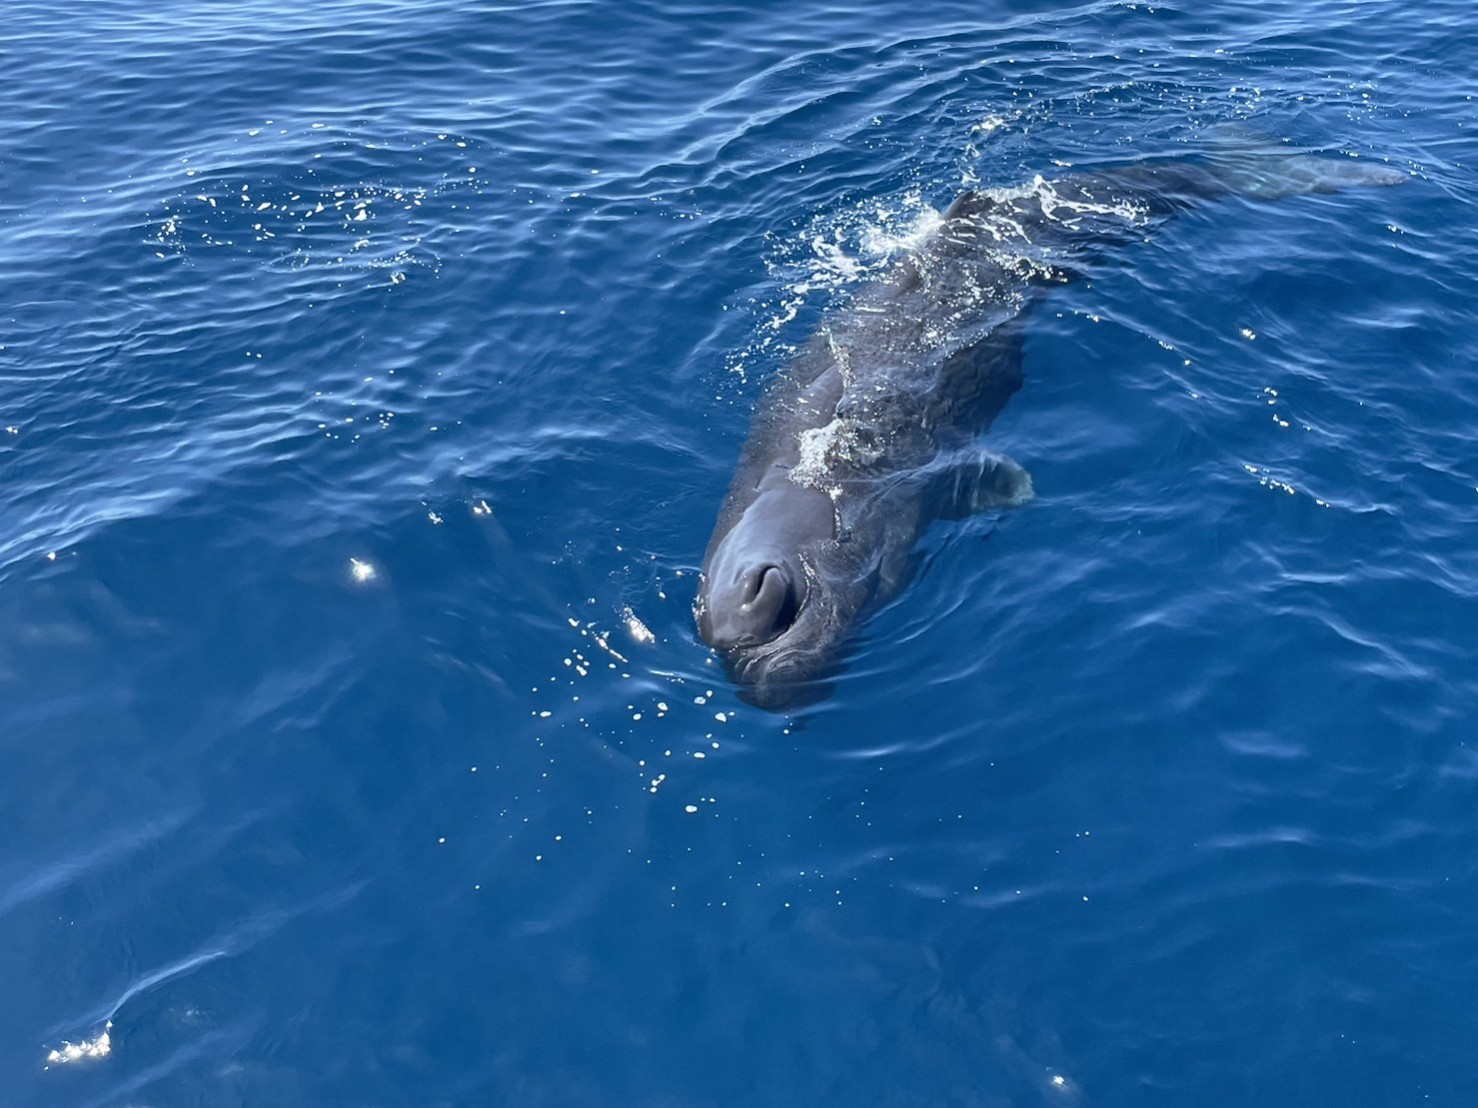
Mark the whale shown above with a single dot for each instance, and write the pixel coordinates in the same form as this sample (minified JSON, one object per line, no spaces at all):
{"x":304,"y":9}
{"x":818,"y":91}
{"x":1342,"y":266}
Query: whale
{"x":876,"y":428}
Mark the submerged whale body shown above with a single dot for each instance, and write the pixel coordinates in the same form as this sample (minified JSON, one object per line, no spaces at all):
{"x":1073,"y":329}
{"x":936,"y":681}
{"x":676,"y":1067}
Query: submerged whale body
{"x":873,"y":430}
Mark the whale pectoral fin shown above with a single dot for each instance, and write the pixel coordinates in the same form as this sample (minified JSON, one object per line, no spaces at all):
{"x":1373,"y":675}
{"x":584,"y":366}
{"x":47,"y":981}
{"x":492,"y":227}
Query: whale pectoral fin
{"x":981,"y":483}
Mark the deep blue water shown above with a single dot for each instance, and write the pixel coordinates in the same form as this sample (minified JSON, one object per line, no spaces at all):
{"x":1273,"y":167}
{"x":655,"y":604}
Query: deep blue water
{"x":370,"y":375}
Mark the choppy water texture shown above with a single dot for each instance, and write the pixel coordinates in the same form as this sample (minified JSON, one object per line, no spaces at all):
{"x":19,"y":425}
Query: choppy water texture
{"x":370,"y":375}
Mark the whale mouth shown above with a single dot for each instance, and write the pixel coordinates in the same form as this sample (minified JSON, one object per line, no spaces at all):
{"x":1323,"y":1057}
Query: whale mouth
{"x":776,"y":677}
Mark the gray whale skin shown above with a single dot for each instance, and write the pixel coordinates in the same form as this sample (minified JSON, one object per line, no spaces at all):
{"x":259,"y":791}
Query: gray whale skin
{"x":874,"y":429}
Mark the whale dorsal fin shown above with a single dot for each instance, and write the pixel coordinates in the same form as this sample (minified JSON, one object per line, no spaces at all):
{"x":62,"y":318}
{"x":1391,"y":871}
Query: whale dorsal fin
{"x":969,"y":205}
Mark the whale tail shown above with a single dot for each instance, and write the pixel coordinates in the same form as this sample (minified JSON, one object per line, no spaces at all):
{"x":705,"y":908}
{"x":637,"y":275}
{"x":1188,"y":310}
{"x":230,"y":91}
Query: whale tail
{"x":1245,"y":164}
{"x":1270,"y":171}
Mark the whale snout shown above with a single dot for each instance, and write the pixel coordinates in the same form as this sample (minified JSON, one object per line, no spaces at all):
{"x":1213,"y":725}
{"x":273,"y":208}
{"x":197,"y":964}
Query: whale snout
{"x":762,"y":603}
{"x":773,"y":628}
{"x":756,"y":608}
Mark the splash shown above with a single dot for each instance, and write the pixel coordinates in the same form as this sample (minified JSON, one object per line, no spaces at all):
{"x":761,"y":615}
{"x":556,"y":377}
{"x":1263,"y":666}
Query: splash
{"x":99,"y":1047}
{"x":831,"y":255}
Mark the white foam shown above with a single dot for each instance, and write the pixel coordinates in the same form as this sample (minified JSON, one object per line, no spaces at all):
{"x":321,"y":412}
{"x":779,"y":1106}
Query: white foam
{"x":818,"y":447}
{"x":99,"y":1047}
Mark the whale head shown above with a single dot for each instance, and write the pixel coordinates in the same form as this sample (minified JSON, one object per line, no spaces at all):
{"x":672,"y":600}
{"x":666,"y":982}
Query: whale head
{"x":776,"y":598}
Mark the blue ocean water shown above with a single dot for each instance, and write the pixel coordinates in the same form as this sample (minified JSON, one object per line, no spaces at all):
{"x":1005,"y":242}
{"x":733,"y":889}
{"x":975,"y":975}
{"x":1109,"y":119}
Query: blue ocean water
{"x":370,"y":375}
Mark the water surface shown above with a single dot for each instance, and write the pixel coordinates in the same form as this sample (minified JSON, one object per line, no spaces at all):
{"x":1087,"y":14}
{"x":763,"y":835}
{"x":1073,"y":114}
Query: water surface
{"x":370,"y":376}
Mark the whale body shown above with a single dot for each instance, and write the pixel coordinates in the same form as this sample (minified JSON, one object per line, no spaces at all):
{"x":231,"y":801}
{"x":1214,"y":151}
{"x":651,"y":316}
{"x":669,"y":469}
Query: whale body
{"x":874,"y":429}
